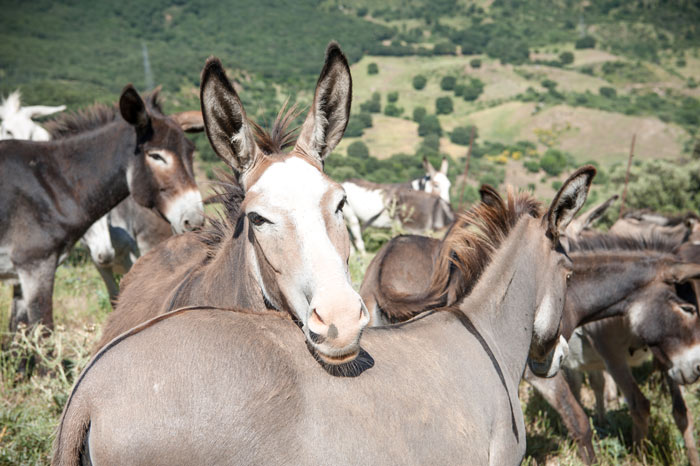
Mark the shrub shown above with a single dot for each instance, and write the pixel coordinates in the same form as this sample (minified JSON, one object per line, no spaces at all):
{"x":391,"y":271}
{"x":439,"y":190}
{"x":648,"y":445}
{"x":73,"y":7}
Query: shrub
{"x":358,"y":149}
{"x":508,"y":51}
{"x":553,"y":162}
{"x":692,"y":84}
{"x":365,"y":118}
{"x":419,"y":82}
{"x":444,"y":48}
{"x":392,"y":110}
{"x":556,"y":184}
{"x":533,"y":166}
{"x":680,"y":62}
{"x":460,"y":89}
{"x":585,"y":42}
{"x":355,"y":128}
{"x":566,"y":58}
{"x":429,"y":125}
{"x":362,"y":11}
{"x":608,"y":92}
{"x":448,"y":83}
{"x":432,"y":142}
{"x":419,"y":113}
{"x":443,"y":106}
{"x":461,"y":134}
{"x":549,"y":84}
{"x":371,"y":106}
{"x":475,"y":63}
{"x":372,"y":68}
{"x":473,"y":90}
{"x":392,"y":97}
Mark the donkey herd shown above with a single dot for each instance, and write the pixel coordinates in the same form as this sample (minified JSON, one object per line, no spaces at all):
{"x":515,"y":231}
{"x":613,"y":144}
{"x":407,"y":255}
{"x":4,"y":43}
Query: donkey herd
{"x":240,"y":339}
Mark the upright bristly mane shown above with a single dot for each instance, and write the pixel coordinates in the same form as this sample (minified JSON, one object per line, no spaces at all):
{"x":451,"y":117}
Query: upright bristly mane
{"x":69,"y":124}
{"x":464,"y":254}
{"x":229,"y":192}
{"x":606,"y":242}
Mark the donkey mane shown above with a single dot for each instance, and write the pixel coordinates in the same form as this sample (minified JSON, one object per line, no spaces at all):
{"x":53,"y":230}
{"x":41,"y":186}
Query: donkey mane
{"x":69,"y":124}
{"x":465,"y":253}
{"x":603,"y":242}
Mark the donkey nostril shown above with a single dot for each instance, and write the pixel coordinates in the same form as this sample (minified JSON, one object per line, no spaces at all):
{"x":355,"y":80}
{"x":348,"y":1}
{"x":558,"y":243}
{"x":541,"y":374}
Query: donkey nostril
{"x":315,"y":315}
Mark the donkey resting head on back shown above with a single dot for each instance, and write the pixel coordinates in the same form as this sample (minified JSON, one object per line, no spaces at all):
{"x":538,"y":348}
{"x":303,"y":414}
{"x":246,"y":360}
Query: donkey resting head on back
{"x":16,"y":121}
{"x":291,"y":216}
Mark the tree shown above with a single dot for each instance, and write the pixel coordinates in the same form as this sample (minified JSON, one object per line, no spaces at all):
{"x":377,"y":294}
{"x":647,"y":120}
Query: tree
{"x":585,"y":42}
{"x":429,"y":125}
{"x":553,"y":162}
{"x":358,"y":149}
{"x":566,"y":58}
{"x":461,"y":134}
{"x":392,"y":97}
{"x":372,"y":68}
{"x":448,"y":83}
{"x":608,"y":92}
{"x":549,"y":84}
{"x":473,"y":90}
{"x":443,"y":106}
{"x":392,"y":110}
{"x":444,"y":48}
{"x":475,"y":63}
{"x":419,"y":82}
{"x":419,"y":113}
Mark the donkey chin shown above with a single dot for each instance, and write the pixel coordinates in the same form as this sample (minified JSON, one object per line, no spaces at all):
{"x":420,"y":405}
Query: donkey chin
{"x":186,"y":212}
{"x":550,"y":365}
{"x":331,"y":354}
{"x":686,"y":366}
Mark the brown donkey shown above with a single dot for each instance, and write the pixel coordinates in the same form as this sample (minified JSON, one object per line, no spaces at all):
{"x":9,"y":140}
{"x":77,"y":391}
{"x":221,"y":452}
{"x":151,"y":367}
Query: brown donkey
{"x":285,"y":246}
{"x":51,"y":192}
{"x":207,"y":386}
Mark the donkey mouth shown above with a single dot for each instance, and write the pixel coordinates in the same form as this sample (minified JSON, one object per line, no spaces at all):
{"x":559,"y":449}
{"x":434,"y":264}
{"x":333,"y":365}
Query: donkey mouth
{"x":345,"y":358}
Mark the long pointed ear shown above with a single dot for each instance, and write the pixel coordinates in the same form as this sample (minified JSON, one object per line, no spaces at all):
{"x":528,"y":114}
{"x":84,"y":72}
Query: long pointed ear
{"x":225,"y":120}
{"x":428,"y":167}
{"x":132,"y":107}
{"x":490,"y":196}
{"x":679,"y":272}
{"x":154,"y":95}
{"x":582,"y":222}
{"x":35,"y":111}
{"x":443,"y":166}
{"x":190,"y":121}
{"x":325,"y":124}
{"x":570,"y":198}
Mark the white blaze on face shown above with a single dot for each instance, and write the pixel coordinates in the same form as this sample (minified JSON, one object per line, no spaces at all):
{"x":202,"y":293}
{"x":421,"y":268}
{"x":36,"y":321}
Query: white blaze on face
{"x":98,"y":240}
{"x":186,"y":211}
{"x":686,"y":365}
{"x":546,"y":316}
{"x":443,"y":185}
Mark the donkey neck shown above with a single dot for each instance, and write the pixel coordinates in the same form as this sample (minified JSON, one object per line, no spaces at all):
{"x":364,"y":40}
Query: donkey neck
{"x":502,"y":304}
{"x":601,"y":280}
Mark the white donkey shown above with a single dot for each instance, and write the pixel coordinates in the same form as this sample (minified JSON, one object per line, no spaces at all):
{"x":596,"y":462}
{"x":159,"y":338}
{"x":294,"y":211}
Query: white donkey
{"x":369,"y":203}
{"x":17,"y":121}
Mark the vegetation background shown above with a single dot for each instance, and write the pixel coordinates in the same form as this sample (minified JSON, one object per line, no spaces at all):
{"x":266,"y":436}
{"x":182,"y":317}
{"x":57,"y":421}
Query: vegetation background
{"x":545,"y":85}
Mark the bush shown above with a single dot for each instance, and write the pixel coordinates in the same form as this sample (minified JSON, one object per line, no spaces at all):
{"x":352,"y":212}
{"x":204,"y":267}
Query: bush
{"x":460,"y":89}
{"x":566,"y":58}
{"x":473,"y":90}
{"x":419,"y":82}
{"x":692,"y":84}
{"x":372,"y":68}
{"x":475,"y":63}
{"x":419,"y":113}
{"x":608,"y":92}
{"x":585,"y":42}
{"x":431,"y":142}
{"x":549,"y":84}
{"x":508,"y":51}
{"x":461,"y":134}
{"x":358,"y":149}
{"x":533,"y":166}
{"x":371,"y":106}
{"x":362,"y":11}
{"x":392,"y":110}
{"x":365,"y":118}
{"x":680,"y":62}
{"x":445,"y":48}
{"x":448,"y":83}
{"x":443,"y":106}
{"x":392,"y":97}
{"x":553,"y":162}
{"x":429,"y":125}
{"x":556,"y":185}
{"x":355,"y":128}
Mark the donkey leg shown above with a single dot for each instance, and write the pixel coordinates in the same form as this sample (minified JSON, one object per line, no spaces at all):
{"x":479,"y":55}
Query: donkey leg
{"x":610,"y":388}
{"x":684,"y":420}
{"x":598,"y":383}
{"x":35,"y":306}
{"x":111,"y":284}
{"x":575,"y":380}
{"x":639,"y":405}
{"x":558,"y":394}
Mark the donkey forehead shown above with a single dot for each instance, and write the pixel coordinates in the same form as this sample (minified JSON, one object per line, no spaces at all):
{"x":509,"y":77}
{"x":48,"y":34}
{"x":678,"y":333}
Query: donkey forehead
{"x":293,"y":182}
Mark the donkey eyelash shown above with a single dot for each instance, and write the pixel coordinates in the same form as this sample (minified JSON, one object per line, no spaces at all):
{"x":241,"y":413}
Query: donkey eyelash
{"x":257,"y":219}
{"x":156,"y":156}
{"x":341,"y":204}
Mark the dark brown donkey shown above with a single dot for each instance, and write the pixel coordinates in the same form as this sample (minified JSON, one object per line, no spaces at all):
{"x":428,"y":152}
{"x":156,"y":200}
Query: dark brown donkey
{"x":285,"y":246}
{"x":208,"y":386}
{"x":611,"y":277}
{"x":51,"y":192}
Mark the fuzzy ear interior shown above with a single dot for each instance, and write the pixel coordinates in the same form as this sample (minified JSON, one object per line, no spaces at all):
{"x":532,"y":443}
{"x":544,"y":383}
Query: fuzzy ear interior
{"x":569,"y":200}
{"x":330,"y":111}
{"x":225,"y":120}
{"x":490,"y":196}
{"x":132,"y":107}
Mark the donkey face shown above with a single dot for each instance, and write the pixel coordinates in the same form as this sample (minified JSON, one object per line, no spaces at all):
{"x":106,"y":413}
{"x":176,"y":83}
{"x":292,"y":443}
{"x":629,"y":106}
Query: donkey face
{"x":548,"y":348}
{"x":161,"y":176}
{"x":437,"y":182}
{"x":293,"y":222}
{"x":17,"y":121}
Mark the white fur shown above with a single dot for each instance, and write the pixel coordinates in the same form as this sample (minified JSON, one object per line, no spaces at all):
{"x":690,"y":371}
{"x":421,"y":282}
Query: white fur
{"x":17,"y":121}
{"x":363,"y":205}
{"x":686,"y":365}
{"x":443,"y":185}
{"x":561,"y":352}
{"x":187,"y":206}
{"x":98,"y":240}
{"x":545,"y":315}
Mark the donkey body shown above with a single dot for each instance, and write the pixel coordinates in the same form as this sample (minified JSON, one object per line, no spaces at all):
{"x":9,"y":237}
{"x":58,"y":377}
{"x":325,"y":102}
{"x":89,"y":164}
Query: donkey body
{"x":52,"y":195}
{"x":242,"y":391}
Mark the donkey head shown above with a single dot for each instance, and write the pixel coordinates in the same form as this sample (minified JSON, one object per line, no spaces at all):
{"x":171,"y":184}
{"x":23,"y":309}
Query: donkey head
{"x":291,"y":216}
{"x":161,"y":175}
{"x":17,"y":121}
{"x":438,"y":182}
{"x":549,"y":348}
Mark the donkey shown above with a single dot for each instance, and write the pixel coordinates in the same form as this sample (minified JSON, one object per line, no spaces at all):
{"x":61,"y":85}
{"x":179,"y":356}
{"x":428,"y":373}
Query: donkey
{"x":284,"y":246}
{"x":17,"y":121}
{"x":53,"y":191}
{"x":241,"y":392}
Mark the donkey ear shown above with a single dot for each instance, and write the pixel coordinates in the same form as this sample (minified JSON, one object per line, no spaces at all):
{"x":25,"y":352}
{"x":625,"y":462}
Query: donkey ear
{"x":154,"y":95}
{"x":490,"y":196}
{"x":36,"y":111}
{"x":325,"y":124}
{"x":679,"y":272}
{"x":190,"y":121}
{"x":443,"y":166}
{"x":570,"y":198}
{"x":225,"y":120}
{"x":132,"y":107}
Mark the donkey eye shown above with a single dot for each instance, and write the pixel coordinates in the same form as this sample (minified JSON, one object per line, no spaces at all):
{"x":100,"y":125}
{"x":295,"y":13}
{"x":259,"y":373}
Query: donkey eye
{"x":689,"y":308}
{"x":341,"y":204}
{"x":256,"y":219}
{"x":568,"y":277}
{"x":156,"y":156}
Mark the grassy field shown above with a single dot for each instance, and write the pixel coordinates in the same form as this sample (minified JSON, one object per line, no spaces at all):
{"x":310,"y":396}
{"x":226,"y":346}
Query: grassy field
{"x":30,"y":409}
